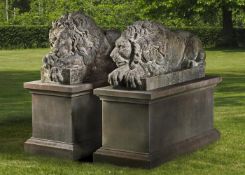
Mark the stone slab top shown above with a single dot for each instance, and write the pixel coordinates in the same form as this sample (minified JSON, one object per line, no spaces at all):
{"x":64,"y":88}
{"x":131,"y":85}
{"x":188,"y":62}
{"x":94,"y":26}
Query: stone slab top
{"x":39,"y":86}
{"x":109,"y":91}
{"x":172,"y":78}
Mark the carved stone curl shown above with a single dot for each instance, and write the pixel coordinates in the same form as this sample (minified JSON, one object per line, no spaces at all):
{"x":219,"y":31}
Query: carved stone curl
{"x":147,"y":49}
{"x":80,"y":51}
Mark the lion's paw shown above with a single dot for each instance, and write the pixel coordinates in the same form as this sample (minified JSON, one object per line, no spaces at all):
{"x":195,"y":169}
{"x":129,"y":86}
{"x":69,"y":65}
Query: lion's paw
{"x":133,"y":78}
{"x":55,"y":74}
{"x":117,"y":76}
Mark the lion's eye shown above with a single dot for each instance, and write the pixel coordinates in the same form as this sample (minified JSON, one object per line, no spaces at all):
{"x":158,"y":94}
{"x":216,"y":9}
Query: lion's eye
{"x":121,"y":46}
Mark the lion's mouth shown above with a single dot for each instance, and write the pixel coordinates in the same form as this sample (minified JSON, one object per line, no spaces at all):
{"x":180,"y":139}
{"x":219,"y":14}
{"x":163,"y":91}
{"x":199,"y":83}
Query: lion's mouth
{"x":121,"y":63}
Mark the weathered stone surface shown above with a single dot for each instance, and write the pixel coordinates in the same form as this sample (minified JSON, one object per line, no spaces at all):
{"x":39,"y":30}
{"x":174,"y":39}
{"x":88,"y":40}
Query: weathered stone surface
{"x":66,"y":120}
{"x":146,"y":49}
{"x":172,"y":78}
{"x":80,"y":51}
{"x":146,"y":128}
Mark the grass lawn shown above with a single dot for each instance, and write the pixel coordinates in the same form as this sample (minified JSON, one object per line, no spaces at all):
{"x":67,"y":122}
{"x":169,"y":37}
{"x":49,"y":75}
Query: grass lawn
{"x":227,"y":156}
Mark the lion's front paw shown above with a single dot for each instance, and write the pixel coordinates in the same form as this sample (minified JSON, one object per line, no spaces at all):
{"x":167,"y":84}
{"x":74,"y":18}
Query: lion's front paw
{"x":133,"y":78}
{"x":117,"y":76}
{"x":55,"y":75}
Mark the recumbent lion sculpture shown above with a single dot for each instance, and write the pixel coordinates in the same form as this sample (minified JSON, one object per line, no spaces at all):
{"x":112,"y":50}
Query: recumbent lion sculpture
{"x":147,"y":49}
{"x":80,"y":51}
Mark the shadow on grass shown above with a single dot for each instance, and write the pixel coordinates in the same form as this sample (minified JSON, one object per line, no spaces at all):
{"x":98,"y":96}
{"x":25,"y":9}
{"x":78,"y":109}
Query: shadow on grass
{"x":229,"y":101}
{"x":13,"y":134}
{"x":11,"y":84}
{"x":15,"y":110}
{"x":231,"y":91}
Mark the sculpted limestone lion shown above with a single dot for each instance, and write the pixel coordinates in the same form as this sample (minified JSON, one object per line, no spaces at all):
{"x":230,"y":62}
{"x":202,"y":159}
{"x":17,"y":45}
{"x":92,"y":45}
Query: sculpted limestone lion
{"x":147,"y":49}
{"x":80,"y":51}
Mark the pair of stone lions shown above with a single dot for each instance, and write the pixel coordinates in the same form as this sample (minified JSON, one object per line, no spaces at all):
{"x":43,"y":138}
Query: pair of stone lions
{"x":144,"y":49}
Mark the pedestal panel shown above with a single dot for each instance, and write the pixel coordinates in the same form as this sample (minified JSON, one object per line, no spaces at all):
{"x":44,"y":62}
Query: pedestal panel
{"x":146,"y":128}
{"x":66,"y":120}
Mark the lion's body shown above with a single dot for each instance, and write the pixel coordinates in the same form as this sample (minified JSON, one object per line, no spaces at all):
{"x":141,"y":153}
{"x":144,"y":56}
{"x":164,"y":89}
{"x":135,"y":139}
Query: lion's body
{"x":147,"y":49}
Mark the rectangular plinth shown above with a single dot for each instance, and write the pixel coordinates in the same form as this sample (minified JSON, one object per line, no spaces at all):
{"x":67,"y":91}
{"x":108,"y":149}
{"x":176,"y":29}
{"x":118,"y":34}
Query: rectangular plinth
{"x":146,"y":128}
{"x":66,"y":120}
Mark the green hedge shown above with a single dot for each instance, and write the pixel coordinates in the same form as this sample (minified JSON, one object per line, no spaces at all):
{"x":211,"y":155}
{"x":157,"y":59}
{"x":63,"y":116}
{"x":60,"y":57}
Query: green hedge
{"x":208,"y":35}
{"x":23,"y":37}
{"x":212,"y":36}
{"x":37,"y":36}
{"x":240,"y":35}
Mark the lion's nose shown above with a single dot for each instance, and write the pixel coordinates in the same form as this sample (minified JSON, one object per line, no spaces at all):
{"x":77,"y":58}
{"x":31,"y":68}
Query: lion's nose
{"x":133,"y":64}
{"x":112,"y":53}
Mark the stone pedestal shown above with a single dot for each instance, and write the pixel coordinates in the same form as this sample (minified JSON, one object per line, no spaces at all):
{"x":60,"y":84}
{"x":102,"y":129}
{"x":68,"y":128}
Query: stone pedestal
{"x":146,"y":128}
{"x":66,"y":120}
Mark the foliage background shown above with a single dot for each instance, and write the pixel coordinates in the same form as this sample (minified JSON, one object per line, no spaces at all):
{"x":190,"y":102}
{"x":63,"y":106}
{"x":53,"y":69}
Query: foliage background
{"x":119,"y":13}
{"x":213,"y":21}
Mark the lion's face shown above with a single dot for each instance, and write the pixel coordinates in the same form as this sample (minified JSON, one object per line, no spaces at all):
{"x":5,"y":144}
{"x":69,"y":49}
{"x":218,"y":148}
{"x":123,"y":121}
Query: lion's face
{"x":61,"y":42}
{"x":122,"y":51}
